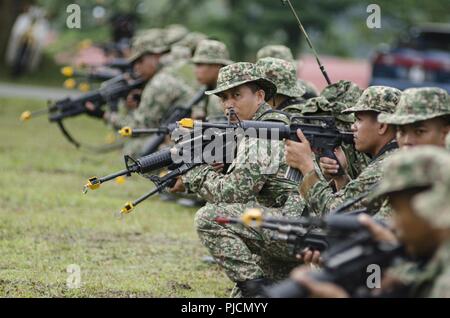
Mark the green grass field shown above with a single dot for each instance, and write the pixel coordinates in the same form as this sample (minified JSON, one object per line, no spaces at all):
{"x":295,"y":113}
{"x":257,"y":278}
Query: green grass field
{"x":47,"y":224}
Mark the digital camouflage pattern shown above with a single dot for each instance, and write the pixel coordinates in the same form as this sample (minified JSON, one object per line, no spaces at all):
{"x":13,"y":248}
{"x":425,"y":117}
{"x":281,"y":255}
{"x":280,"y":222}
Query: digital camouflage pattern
{"x":433,"y":280}
{"x":320,"y":106}
{"x":276,"y":51}
{"x":212,"y":52}
{"x":237,"y":74}
{"x":152,"y":42}
{"x":319,"y":195}
{"x":284,"y":53}
{"x":424,"y":166}
{"x":246,"y":253}
{"x":418,"y":104}
{"x":344,"y":92}
{"x":381,"y":99}
{"x":192,"y":40}
{"x":256,"y":174}
{"x":175,"y":33}
{"x":283,"y":74}
{"x":320,"y":198}
{"x":161,"y":93}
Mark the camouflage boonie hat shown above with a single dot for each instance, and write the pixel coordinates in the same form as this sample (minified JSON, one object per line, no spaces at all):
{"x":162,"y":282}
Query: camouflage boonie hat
{"x":345,"y":92}
{"x":277,"y":51}
{"x":175,"y":33}
{"x":434,"y":204}
{"x":381,"y":99}
{"x":283,"y":74}
{"x":417,"y":104}
{"x":192,"y":40}
{"x":321,"y":106}
{"x":151,"y":42}
{"x":211,"y":52}
{"x":413,"y":168}
{"x":241,"y":73}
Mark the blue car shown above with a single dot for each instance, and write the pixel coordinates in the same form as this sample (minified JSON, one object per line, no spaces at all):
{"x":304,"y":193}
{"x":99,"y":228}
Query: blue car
{"x":419,"y":61}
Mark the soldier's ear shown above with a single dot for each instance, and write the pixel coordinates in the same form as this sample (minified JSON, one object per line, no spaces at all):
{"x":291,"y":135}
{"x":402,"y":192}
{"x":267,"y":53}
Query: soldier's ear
{"x":261,"y":95}
{"x":383,"y":129}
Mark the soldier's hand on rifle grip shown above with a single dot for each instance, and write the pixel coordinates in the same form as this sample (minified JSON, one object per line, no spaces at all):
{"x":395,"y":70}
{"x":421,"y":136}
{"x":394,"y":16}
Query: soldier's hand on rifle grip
{"x":132,"y":101}
{"x":310,"y":257}
{"x":217,"y":166}
{"x":93,"y":110}
{"x":299,"y":155}
{"x":379,"y":232}
{"x":331,"y":168}
{"x":178,"y":187}
{"x":317,"y":289}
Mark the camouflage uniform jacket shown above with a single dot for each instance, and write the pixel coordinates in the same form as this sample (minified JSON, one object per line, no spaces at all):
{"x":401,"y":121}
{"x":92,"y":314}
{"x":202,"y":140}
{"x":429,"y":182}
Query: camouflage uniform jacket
{"x":256,"y":174}
{"x":161,"y":93}
{"x":433,"y":279}
{"x":319,"y":195}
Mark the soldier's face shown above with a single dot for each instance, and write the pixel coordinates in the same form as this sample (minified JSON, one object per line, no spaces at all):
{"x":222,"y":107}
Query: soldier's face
{"x":365,"y":131}
{"x":207,"y":74}
{"x":244,"y":101}
{"x":427,"y":132}
{"x":147,"y":65}
{"x":419,"y":237}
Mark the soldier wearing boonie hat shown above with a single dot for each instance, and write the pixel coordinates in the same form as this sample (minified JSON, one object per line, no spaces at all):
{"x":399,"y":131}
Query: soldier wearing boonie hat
{"x":210,"y":56}
{"x":422,"y":117}
{"x":150,"y":42}
{"x":255,"y":178}
{"x":417,"y":183}
{"x":283,"y":74}
{"x":374,"y":139}
{"x":284,"y":53}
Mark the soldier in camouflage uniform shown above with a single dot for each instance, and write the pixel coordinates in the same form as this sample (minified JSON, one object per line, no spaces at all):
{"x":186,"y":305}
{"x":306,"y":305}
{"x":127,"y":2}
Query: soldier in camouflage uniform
{"x":333,"y":100}
{"x":282,"y":73}
{"x":284,"y":53}
{"x":254,"y":179}
{"x":178,"y":61}
{"x":417,"y":184}
{"x":208,"y":59}
{"x":162,"y":91}
{"x":373,"y":138}
{"x":422,"y":117}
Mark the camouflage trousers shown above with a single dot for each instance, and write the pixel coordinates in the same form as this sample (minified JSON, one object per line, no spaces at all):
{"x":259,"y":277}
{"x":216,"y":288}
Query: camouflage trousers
{"x":244,"y":253}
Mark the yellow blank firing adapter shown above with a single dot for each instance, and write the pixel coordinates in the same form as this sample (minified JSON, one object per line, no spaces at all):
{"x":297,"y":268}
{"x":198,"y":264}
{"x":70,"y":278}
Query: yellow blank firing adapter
{"x":186,"y":123}
{"x":252,"y":217}
{"x":67,"y":71}
{"x":92,"y":184}
{"x":127,"y":208}
{"x":126,"y":132}
{"x":25,"y":116}
{"x":70,"y":83}
{"x":120,"y":180}
{"x":84,"y":87}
